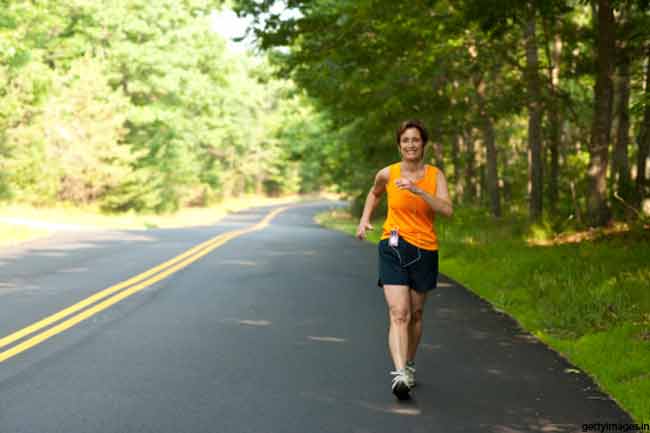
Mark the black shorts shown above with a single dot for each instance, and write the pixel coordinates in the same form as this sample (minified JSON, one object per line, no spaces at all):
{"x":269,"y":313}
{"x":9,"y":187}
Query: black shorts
{"x":407,"y":265}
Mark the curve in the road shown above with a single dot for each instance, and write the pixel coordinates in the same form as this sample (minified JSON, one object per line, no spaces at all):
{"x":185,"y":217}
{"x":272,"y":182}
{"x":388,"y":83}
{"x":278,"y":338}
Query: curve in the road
{"x":116,"y":293}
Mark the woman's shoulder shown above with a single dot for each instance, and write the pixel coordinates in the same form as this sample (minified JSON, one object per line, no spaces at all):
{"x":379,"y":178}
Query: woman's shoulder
{"x":383,"y":174}
{"x":388,"y":171}
{"x":432,"y":170}
{"x":435,"y":170}
{"x":435,"y":174}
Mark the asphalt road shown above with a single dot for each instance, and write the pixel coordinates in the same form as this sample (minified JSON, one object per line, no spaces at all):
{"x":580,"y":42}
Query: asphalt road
{"x":278,"y":330}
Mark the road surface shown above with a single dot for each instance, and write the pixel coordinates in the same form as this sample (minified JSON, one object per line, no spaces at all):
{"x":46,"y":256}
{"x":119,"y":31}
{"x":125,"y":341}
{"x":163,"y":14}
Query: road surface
{"x":277,"y":329}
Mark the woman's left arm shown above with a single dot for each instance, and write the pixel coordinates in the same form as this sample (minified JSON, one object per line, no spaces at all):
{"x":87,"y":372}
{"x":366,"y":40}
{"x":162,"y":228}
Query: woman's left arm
{"x":441,"y":203}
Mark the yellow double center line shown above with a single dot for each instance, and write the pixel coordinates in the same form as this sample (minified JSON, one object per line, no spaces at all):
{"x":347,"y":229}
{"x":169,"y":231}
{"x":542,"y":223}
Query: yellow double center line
{"x":115,"y":294}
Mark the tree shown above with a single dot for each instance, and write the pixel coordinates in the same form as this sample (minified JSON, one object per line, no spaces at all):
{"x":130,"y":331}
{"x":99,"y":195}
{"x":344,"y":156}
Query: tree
{"x":598,"y":210}
{"x":80,"y":130}
{"x":534,"y":114}
{"x":553,"y":44}
{"x":644,"y":138}
{"x":138,"y":105}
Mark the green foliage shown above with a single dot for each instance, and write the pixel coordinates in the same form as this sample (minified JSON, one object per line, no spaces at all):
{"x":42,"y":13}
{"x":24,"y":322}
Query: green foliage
{"x":140,"y":105}
{"x":567,"y":288}
{"x":71,"y":147}
{"x":368,"y":70}
{"x":373,"y":63}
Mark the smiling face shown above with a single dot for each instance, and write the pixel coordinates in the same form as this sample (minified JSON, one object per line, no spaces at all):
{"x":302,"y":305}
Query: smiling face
{"x":411,"y":145}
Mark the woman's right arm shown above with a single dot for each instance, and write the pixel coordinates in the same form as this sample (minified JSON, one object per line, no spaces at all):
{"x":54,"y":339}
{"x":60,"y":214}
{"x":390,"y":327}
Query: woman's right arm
{"x":377,"y":190}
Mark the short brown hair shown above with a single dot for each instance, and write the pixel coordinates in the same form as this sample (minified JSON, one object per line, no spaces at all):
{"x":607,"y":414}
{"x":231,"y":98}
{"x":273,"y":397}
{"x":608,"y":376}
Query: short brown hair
{"x":413,"y":124}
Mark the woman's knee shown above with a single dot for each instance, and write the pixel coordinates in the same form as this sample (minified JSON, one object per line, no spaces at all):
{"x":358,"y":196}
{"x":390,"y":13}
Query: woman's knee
{"x":400,"y":315}
{"x":416,"y":316}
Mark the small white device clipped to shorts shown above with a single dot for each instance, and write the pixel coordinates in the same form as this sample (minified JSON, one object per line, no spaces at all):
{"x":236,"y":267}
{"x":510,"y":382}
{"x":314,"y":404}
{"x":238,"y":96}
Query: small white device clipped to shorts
{"x":393,"y":241}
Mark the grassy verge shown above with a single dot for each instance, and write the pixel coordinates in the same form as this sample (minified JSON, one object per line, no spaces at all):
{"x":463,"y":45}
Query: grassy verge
{"x":589,"y":300}
{"x":11,"y":234}
{"x":91,"y":217}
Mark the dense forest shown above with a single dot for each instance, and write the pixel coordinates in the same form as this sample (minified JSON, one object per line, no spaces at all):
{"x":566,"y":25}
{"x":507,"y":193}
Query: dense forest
{"x":140,"y":105}
{"x":540,"y":107}
{"x":535,"y":107}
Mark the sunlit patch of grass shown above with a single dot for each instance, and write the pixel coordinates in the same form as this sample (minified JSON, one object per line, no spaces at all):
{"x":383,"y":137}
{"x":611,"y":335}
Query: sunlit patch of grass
{"x":11,"y":234}
{"x":618,"y":360}
{"x":578,"y":292}
{"x":339,"y":219}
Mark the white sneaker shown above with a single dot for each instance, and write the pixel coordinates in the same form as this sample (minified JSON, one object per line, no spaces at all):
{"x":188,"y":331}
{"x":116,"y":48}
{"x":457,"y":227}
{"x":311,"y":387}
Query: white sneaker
{"x":409,"y":373}
{"x":400,"y":386}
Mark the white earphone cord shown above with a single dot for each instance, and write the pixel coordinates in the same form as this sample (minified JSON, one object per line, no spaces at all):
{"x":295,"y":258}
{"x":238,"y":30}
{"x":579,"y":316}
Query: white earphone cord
{"x":415,"y":211}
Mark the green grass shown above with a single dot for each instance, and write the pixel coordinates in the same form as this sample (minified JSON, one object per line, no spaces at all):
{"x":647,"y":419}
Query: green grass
{"x":588,"y":300}
{"x":12,"y":235}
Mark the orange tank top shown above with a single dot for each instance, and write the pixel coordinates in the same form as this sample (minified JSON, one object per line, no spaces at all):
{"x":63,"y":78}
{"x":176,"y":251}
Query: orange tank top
{"x":409,"y":213}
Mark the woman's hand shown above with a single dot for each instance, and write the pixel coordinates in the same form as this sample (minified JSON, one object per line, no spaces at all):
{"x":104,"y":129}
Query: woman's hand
{"x":408,"y":184}
{"x":361,"y":230}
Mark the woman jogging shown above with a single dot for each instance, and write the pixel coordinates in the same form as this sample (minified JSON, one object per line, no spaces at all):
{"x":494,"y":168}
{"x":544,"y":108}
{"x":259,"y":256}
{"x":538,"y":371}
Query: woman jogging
{"x":408,"y":250}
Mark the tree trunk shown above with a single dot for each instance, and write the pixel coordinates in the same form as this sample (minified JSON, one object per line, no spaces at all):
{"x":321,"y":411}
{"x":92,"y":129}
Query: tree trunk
{"x":620,"y":158}
{"x":481,"y":185}
{"x":621,"y":166}
{"x":489,"y":177}
{"x":487,"y":129}
{"x":492,"y":172}
{"x":554,"y":52}
{"x":644,"y":139}
{"x":535,"y":180}
{"x":470,"y":170}
{"x":598,"y":211}
{"x":455,"y":158}
{"x":435,"y":144}
{"x":437,"y":155}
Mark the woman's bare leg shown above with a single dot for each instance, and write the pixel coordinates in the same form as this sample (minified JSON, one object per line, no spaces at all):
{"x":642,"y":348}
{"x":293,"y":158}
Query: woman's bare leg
{"x":415,"y":324}
{"x":399,"y":310}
